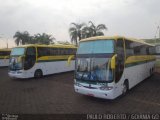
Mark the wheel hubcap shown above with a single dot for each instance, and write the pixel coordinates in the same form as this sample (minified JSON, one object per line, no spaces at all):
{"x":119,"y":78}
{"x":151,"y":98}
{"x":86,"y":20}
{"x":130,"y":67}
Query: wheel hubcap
{"x":124,"y":89}
{"x":38,"y":74}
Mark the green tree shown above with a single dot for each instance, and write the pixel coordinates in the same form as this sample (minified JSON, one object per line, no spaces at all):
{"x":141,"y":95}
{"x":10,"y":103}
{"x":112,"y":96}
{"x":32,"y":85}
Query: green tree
{"x":43,"y":39}
{"x":93,"y":30}
{"x":86,"y":32}
{"x":22,"y":38}
{"x":76,"y":32}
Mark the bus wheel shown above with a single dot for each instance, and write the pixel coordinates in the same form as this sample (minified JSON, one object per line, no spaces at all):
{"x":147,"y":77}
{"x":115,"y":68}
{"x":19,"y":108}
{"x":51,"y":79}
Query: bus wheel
{"x":151,"y":71}
{"x":38,"y":74}
{"x":125,"y":88}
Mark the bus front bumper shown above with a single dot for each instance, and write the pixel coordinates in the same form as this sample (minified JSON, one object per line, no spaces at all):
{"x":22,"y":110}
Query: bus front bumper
{"x":16,"y":74}
{"x":105,"y":94}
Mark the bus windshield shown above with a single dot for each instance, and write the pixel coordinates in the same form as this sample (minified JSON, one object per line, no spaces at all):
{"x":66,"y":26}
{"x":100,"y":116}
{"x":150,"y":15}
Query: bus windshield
{"x":94,"y":69}
{"x":18,"y":51}
{"x":93,"y":60}
{"x":99,"y":46}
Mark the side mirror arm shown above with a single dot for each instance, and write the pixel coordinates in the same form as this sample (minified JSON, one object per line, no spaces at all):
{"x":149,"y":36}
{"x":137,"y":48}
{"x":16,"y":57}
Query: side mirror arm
{"x":69,"y":59}
{"x":113,"y":61}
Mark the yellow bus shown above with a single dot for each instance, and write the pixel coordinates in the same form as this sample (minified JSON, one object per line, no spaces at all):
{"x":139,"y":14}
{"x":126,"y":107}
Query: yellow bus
{"x":107,"y":67}
{"x":37,"y":60}
{"x":4,"y":57}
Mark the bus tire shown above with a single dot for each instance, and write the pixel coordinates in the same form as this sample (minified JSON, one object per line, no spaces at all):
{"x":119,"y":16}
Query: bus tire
{"x":38,"y":73}
{"x":151,"y":71}
{"x":125,"y":87}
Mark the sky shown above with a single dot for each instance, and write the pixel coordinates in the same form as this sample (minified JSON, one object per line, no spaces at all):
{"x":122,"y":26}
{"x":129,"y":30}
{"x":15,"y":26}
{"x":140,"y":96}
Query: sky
{"x":130,"y":18}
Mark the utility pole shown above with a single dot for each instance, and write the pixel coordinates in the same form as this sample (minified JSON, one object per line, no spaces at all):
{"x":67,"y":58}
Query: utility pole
{"x":158,"y":30}
{"x":7,"y":43}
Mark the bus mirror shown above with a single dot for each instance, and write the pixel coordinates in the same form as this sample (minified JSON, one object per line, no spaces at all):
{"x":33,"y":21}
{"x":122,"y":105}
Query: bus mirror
{"x":69,"y":59}
{"x":19,"y":59}
{"x":113,"y":62}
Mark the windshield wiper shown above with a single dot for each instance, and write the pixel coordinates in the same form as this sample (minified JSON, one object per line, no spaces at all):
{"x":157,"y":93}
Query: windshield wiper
{"x":84,"y":72}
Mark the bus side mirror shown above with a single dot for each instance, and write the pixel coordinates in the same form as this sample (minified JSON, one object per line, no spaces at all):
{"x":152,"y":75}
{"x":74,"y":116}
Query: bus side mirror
{"x":113,"y":62}
{"x":69,"y":59}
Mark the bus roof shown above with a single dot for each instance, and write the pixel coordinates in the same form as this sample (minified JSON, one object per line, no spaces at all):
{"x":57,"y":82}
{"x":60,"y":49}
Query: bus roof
{"x":115,"y":38}
{"x":54,"y":45}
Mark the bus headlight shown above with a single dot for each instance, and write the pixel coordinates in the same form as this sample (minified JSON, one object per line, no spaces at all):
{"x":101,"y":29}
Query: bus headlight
{"x":106,"y":88}
{"x":77,"y":84}
{"x":19,"y":72}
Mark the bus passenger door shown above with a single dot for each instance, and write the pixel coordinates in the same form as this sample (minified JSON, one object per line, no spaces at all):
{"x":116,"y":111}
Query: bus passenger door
{"x":119,"y":59}
{"x":30,"y":58}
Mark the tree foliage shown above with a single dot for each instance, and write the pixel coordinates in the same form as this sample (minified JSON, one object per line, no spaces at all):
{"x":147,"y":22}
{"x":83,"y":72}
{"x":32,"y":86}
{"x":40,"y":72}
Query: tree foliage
{"x":76,"y":32}
{"x":22,"y":38}
{"x":80,"y":31}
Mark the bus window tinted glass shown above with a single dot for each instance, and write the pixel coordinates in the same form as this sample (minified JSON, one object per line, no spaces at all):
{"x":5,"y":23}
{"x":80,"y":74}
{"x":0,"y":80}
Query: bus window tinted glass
{"x":18,"y":51}
{"x":100,"y":46}
{"x":31,"y":51}
{"x":4,"y":53}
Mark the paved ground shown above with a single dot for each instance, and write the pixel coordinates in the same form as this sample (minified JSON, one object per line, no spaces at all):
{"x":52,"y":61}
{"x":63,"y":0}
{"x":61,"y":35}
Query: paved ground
{"x":55,"y":94}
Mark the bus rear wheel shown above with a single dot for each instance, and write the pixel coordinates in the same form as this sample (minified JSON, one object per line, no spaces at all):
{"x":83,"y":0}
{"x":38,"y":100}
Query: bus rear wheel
{"x":38,"y":74}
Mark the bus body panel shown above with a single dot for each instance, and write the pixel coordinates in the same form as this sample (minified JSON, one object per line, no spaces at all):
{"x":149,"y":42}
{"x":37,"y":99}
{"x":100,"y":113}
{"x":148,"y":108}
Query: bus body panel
{"x":46,"y":67}
{"x":50,"y":59}
{"x":95,"y":93}
{"x":105,"y":94}
{"x":138,"y":73}
{"x":4,"y":62}
{"x":59,"y":67}
{"x":4,"y":57}
{"x":138,"y":62}
{"x":134,"y":75}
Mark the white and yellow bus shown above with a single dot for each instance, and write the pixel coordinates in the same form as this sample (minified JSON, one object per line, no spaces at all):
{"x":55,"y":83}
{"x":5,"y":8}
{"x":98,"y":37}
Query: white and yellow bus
{"x":106,"y":67}
{"x":38,"y":60}
{"x":4,"y":57}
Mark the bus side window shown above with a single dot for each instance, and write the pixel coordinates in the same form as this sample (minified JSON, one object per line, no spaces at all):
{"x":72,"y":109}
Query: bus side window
{"x":152,"y":50}
{"x":52,"y":51}
{"x":147,"y":50}
{"x":129,"y":48}
{"x":65,"y":51}
{"x":73,"y":51}
{"x":62,"y":51}
{"x":69,"y":51}
{"x":157,"y":49}
{"x":4,"y":53}
{"x":57,"y":51}
{"x":43,"y":51}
